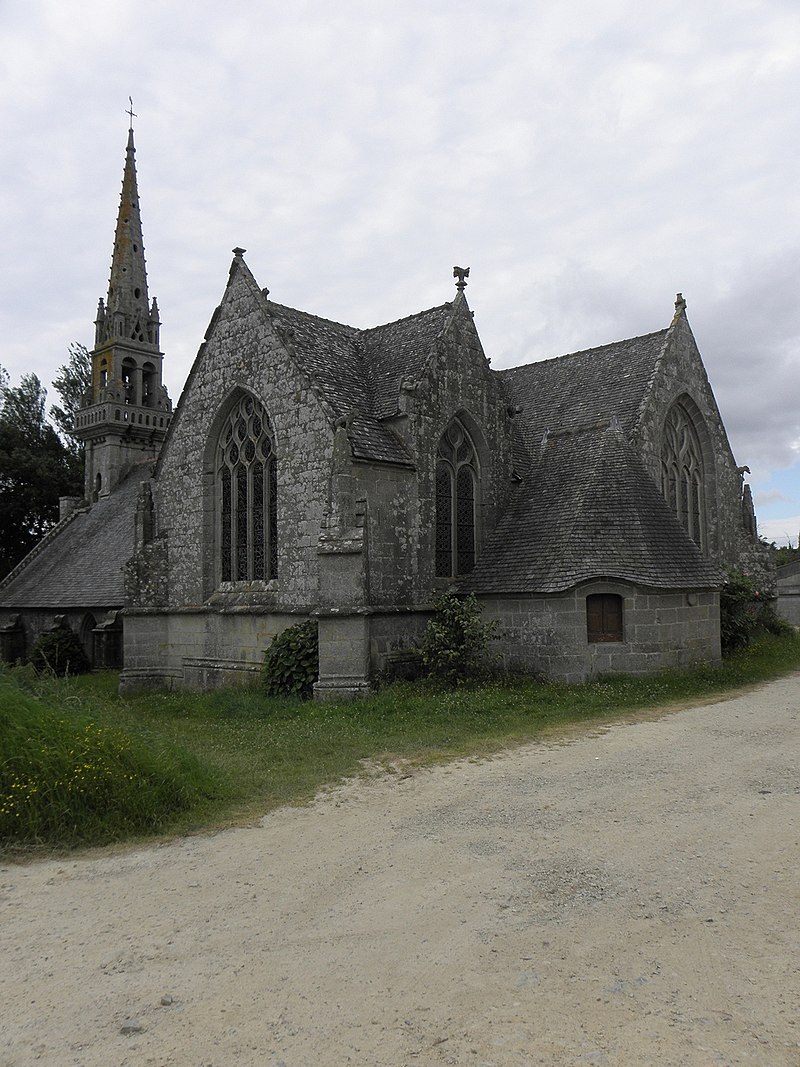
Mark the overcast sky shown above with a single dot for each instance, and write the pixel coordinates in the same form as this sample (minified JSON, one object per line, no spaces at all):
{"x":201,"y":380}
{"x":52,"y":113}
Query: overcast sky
{"x":586,"y":159}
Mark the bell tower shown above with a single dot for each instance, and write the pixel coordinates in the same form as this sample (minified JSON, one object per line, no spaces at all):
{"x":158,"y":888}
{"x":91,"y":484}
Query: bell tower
{"x":126,"y":412}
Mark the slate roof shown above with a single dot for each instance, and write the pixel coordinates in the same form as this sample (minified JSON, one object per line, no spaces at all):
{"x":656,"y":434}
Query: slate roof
{"x":588,"y":509}
{"x":363,"y":369}
{"x":581,"y":389}
{"x":399,"y":351}
{"x":80,"y":563}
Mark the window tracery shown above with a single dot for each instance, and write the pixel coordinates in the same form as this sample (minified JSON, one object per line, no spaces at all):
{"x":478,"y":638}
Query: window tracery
{"x":682,"y":476}
{"x":247,"y":495}
{"x":456,"y":502}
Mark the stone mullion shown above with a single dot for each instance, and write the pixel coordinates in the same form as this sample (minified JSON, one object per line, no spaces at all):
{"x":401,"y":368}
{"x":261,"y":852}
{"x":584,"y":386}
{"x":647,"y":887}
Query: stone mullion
{"x":265,"y":522}
{"x":271,"y":475}
{"x":250,"y":524}
{"x":234,"y":524}
{"x":453,"y":519}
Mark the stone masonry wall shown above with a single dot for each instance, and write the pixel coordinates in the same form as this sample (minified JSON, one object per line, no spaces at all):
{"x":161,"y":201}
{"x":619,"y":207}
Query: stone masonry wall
{"x":547,"y":635}
{"x":401,"y":504}
{"x":393,"y":539}
{"x":682,"y":374}
{"x":199,"y":649}
{"x":243,"y":351}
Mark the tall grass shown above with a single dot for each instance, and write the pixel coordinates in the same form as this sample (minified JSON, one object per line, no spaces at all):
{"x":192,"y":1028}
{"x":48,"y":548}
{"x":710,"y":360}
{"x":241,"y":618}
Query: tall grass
{"x":68,"y":779}
{"x":79,"y":764}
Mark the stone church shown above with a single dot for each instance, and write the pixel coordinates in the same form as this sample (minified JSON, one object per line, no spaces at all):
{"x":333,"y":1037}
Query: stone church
{"x":591,"y":502}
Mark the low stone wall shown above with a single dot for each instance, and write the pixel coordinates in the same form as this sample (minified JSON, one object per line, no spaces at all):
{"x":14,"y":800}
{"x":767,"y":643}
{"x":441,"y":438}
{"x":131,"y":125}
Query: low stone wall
{"x":393,"y":637}
{"x":198,"y":648}
{"x":204,"y":648}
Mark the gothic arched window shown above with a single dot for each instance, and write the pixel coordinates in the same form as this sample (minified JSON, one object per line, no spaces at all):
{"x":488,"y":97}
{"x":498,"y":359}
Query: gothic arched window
{"x":247,"y":495}
{"x":456,"y":502}
{"x":682,"y":478}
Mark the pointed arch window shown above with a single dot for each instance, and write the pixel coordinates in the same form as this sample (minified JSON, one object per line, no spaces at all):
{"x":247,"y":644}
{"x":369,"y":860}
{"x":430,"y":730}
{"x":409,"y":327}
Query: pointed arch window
{"x":247,"y":495}
{"x":456,"y":502}
{"x":682,"y":475}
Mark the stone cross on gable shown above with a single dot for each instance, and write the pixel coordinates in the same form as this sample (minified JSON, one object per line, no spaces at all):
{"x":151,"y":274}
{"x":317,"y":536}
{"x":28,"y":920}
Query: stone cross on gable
{"x":462,"y":273}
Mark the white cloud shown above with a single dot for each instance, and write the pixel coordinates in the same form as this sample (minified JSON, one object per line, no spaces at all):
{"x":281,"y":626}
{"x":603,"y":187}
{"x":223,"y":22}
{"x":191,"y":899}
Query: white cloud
{"x":587,"y":161}
{"x":785,"y":531}
{"x":771,"y":496}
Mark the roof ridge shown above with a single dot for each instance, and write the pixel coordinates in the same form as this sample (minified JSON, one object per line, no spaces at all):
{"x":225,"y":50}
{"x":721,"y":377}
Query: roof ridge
{"x":309,"y":314}
{"x":407,"y":318}
{"x":582,"y":351}
{"x":647,"y":391}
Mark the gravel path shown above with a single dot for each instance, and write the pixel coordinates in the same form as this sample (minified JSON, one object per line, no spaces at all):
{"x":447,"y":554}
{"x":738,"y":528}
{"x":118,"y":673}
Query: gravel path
{"x":625,"y":898}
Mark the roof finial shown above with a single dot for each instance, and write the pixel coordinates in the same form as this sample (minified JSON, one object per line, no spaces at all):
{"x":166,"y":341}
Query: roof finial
{"x":131,"y":113}
{"x":680,"y":303}
{"x":462,"y":273}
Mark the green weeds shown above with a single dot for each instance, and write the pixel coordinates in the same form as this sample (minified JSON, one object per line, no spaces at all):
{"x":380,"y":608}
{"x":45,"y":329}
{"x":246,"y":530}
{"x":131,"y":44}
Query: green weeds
{"x":81,"y":765}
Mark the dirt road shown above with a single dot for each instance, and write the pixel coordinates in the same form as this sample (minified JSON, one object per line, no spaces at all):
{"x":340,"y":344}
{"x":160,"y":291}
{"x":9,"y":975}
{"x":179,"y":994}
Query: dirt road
{"x":626,"y":898}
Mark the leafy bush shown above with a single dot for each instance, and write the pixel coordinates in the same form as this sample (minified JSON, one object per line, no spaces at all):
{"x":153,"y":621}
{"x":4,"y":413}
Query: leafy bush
{"x":66,"y":780}
{"x":745,"y":614}
{"x":291,"y":663}
{"x":60,"y":651}
{"x":455,"y":643}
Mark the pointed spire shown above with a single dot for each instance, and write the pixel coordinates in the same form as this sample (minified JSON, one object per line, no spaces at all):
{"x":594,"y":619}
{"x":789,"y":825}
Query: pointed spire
{"x":127,"y":305}
{"x":125,"y":416}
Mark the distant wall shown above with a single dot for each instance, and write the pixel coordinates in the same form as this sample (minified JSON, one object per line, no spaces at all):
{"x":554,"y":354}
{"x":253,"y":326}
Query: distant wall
{"x":789,"y":593}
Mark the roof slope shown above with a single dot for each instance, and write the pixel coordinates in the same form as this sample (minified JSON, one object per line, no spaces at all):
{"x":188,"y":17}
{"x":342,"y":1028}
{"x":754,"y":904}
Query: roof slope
{"x":582,"y":388}
{"x":588,"y":509}
{"x":81,"y":564}
{"x":399,"y":351}
{"x":362,"y":370}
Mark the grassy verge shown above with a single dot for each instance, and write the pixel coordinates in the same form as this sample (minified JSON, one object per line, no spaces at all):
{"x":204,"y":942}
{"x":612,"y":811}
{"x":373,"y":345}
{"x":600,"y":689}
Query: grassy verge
{"x":83,"y":766}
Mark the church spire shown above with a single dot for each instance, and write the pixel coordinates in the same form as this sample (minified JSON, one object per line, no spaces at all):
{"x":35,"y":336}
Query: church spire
{"x":127,"y":411}
{"x":127,"y":312}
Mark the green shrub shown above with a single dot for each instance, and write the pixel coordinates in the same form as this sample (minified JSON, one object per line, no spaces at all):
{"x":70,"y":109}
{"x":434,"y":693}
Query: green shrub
{"x":455,"y":645}
{"x":291,"y":663}
{"x":745,"y":614}
{"x":60,"y":652}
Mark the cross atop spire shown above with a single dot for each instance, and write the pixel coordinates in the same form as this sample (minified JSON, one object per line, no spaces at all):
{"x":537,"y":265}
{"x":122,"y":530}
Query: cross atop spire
{"x":131,"y":113}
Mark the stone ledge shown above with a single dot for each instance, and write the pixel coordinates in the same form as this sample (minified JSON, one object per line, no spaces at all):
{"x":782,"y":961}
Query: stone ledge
{"x":341,"y":687}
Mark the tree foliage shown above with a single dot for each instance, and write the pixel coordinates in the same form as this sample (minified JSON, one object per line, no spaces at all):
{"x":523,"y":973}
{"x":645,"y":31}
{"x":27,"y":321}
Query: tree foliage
{"x":71,"y":383}
{"x":35,"y":469}
{"x":745,"y":614}
{"x":782,"y":554}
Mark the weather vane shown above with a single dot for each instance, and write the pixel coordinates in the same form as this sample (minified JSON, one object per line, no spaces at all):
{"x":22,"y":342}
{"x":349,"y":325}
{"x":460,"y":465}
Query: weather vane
{"x":131,"y":112}
{"x":462,"y":273}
